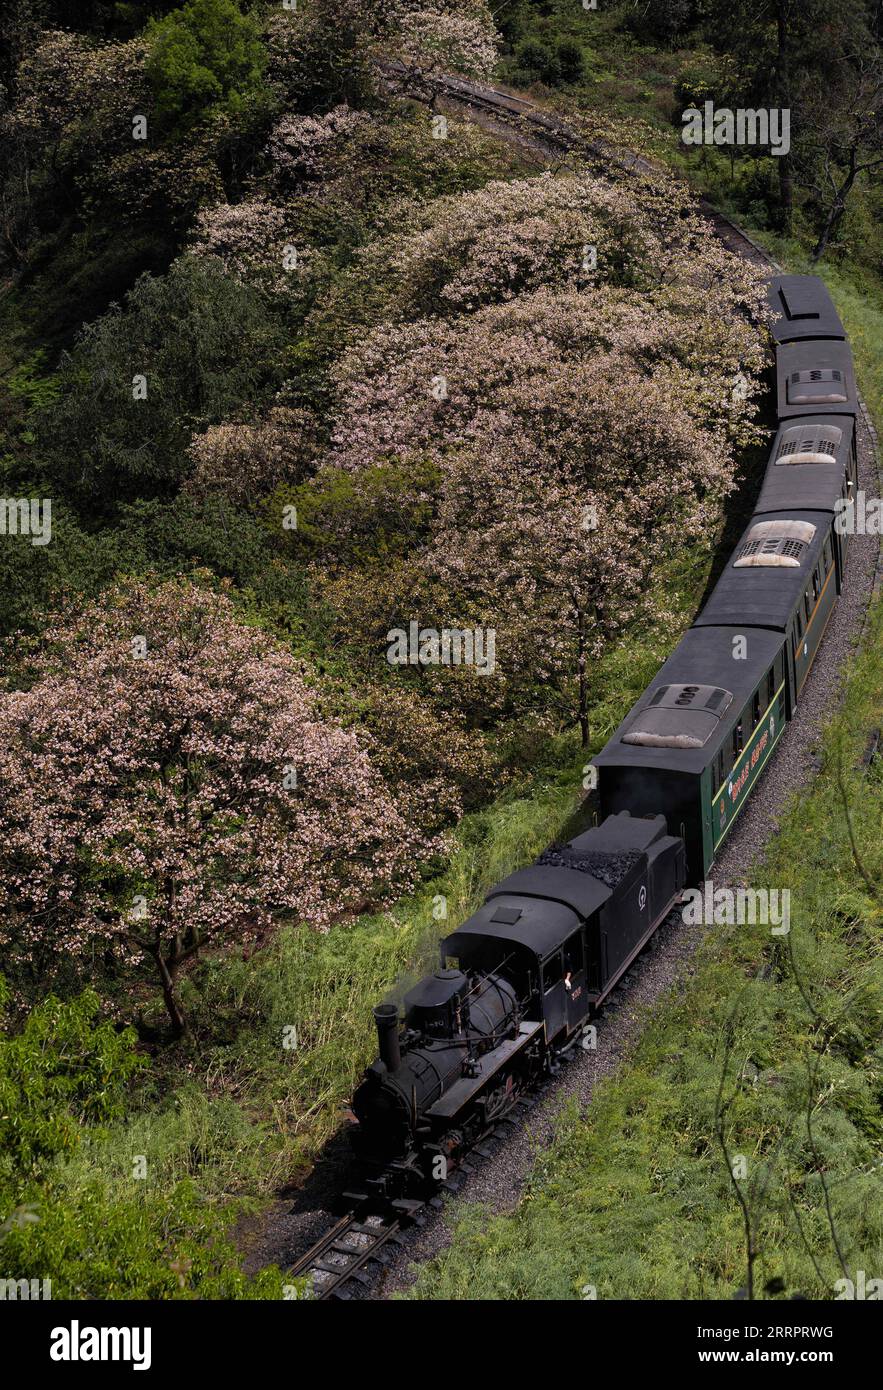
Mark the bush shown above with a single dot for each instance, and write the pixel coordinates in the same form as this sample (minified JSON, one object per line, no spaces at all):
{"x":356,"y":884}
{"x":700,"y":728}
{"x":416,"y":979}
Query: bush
{"x":97,"y":1246}
{"x":64,"y":1070}
{"x":537,"y":60}
{"x":205,"y":344}
{"x":570,"y":61}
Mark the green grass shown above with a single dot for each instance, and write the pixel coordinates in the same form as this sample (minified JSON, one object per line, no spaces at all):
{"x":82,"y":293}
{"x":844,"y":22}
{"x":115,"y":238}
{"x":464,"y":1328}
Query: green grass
{"x":235,"y":1115}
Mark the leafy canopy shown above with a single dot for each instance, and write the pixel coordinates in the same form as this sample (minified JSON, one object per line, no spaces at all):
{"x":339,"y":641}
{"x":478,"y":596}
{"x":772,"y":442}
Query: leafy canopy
{"x":206,"y":55}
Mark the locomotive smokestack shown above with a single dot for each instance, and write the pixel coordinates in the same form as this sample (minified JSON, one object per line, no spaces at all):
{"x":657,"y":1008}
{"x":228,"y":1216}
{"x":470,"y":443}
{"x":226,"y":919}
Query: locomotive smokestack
{"x":386,"y":1017}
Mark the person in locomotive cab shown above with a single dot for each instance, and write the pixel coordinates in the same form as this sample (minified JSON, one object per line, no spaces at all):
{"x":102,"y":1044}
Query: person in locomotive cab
{"x":568,"y":983}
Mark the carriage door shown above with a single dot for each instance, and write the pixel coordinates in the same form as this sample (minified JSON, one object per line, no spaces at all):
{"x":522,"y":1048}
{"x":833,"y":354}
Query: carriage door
{"x":575,"y":977}
{"x":554,"y":995}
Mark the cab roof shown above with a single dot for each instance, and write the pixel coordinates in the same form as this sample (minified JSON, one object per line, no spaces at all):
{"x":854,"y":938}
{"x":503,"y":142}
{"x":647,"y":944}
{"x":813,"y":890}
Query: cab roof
{"x":805,"y":309}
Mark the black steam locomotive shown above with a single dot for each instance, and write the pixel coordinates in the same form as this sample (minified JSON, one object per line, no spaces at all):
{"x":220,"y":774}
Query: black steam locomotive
{"x":520,"y":980}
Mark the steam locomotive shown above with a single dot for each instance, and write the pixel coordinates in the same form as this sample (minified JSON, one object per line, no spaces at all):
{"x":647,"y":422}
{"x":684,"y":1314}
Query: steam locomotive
{"x":519,"y":982}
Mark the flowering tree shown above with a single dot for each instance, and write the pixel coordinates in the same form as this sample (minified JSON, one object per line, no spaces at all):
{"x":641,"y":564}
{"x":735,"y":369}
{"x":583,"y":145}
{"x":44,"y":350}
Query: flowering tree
{"x":459,"y":37}
{"x":253,"y":242}
{"x":166,"y":782}
{"x":574,"y":230}
{"x":302,"y":146}
{"x":577,"y":438}
{"x":242,"y":463}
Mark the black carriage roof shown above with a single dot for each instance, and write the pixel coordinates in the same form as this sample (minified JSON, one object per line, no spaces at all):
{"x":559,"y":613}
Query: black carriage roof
{"x":539,"y":925}
{"x":763,"y":596}
{"x":703,"y":659}
{"x":814,"y":377}
{"x":812,"y":486}
{"x":805,"y":307}
{"x":538,"y":908}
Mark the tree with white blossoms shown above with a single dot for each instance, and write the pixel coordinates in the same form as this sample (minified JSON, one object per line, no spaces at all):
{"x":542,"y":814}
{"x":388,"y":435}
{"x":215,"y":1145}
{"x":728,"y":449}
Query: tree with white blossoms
{"x":167,"y":782}
{"x":578,"y":438}
{"x":300,"y":147}
{"x":574,"y":230}
{"x":456,"y":36}
{"x":253,"y":241}
{"x":242,"y":463}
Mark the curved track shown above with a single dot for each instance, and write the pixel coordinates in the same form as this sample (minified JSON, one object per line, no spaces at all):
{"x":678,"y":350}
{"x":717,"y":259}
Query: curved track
{"x":348,"y":1257}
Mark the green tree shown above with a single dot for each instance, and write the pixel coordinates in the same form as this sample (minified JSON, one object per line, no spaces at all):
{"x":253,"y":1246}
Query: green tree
{"x":187,"y":350}
{"x":205,"y":56}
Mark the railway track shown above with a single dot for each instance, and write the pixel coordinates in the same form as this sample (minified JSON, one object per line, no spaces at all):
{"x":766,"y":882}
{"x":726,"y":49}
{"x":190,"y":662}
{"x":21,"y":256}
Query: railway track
{"x":522,"y":117}
{"x":344,"y":1254}
{"x":348,"y":1258}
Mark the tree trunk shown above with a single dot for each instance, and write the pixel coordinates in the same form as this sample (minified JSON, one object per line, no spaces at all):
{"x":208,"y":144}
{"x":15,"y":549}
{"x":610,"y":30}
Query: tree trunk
{"x":583,"y":690}
{"x":835,"y":215}
{"x":176,"y":1014}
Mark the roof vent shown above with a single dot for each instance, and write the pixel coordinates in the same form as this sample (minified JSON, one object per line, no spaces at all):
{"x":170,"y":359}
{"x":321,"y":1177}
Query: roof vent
{"x":809,"y":444}
{"x":507,"y":915}
{"x":689,"y":697}
{"x":679,"y":716}
{"x":816,"y":387}
{"x":799,"y":299}
{"x":775,"y":543}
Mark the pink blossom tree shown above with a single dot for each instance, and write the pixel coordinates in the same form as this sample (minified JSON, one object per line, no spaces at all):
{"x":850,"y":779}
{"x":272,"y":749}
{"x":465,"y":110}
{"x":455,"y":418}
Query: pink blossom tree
{"x":578,"y":438}
{"x":458,"y":36}
{"x":167,"y":783}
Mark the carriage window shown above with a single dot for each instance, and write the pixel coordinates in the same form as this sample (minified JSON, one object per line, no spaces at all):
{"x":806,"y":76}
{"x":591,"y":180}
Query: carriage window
{"x":816,"y":586}
{"x":738,"y":740}
{"x":552,"y":972}
{"x":807,"y":604}
{"x":770,"y":685}
{"x":573,"y":954}
{"x":798,"y":623}
{"x":755,"y":710}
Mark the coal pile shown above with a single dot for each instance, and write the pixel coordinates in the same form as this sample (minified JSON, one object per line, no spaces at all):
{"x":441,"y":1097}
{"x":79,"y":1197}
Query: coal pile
{"x":609,"y":869}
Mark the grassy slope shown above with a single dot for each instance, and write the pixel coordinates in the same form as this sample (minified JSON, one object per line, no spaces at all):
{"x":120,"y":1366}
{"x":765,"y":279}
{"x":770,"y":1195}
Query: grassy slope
{"x":245,"y":1115}
{"x":242,"y":1114}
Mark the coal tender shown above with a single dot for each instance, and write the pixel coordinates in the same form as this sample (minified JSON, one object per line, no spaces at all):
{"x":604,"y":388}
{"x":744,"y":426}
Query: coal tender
{"x":515,"y":992}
